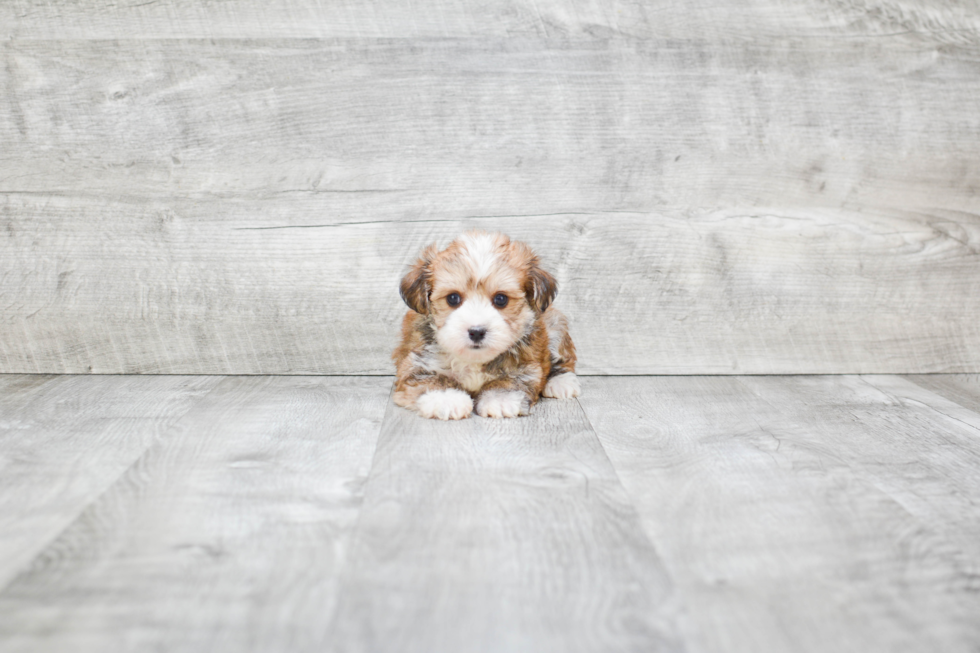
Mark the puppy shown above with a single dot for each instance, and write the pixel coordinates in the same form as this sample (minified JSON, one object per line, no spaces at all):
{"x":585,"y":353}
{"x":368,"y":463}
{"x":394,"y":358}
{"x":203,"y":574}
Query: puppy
{"x":481,"y":333}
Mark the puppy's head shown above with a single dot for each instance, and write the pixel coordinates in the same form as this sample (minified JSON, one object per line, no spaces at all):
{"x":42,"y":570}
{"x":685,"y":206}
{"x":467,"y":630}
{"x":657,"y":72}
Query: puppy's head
{"x":483,"y":293}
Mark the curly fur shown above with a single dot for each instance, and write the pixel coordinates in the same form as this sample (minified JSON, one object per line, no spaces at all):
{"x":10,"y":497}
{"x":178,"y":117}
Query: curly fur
{"x":456,"y":338}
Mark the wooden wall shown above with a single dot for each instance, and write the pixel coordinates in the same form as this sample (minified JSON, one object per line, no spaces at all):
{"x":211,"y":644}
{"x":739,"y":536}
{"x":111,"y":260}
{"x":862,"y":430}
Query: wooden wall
{"x":755,"y":186}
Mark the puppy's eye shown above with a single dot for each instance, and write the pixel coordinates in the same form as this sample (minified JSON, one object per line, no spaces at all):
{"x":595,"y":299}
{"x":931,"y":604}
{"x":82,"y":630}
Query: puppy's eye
{"x":453,"y":299}
{"x":500,"y":300}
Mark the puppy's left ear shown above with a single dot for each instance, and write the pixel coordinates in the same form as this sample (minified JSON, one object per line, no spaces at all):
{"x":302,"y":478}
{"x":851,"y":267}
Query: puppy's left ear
{"x":415,"y":286}
{"x":540,"y":288}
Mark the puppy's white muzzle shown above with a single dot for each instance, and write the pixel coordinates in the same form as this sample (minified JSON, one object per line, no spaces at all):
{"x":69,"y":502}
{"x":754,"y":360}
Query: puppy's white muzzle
{"x":475,"y":332}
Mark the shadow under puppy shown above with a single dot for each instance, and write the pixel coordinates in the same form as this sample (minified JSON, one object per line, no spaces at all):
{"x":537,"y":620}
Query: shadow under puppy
{"x":481,"y":333}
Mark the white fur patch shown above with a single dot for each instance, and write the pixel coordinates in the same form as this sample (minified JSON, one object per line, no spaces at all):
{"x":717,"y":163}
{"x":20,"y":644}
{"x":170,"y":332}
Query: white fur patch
{"x":502,"y":403}
{"x":477,"y":311}
{"x":445,"y":404}
{"x":482,"y":251}
{"x":563,"y":386}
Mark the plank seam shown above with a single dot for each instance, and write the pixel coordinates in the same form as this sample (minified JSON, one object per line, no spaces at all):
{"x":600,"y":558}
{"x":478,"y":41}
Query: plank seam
{"x":344,"y":575}
{"x":632,"y":501}
{"x":96,"y":498}
{"x":918,"y":404}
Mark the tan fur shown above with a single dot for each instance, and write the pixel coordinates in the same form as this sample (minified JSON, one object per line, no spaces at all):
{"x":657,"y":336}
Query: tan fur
{"x":527,"y":340}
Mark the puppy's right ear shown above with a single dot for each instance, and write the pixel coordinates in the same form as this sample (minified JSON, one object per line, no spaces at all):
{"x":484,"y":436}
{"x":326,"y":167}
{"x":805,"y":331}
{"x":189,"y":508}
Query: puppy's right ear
{"x":416,"y":284}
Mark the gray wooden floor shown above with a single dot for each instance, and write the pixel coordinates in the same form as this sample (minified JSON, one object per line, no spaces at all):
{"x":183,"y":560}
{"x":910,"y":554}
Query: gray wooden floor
{"x":270,"y":513}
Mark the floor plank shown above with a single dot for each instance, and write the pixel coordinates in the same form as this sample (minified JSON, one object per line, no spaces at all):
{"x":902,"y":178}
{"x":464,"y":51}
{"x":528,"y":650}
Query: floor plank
{"x":911,"y":445}
{"x":801,"y":513}
{"x":489,"y":535}
{"x":228,"y":536}
{"x":707,"y":514}
{"x":65,"y":440}
{"x":964,"y":389}
{"x":949,"y":22}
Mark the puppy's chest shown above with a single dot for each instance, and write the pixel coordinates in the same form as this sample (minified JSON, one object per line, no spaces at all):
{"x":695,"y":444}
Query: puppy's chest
{"x":471,"y":377}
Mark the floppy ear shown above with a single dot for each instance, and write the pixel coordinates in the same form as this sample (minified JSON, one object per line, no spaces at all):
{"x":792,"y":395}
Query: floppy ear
{"x":540,"y":288}
{"x":415,"y":286}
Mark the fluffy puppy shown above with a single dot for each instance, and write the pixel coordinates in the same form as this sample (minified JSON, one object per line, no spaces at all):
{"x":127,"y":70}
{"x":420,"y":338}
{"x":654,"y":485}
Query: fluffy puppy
{"x":481,"y":333}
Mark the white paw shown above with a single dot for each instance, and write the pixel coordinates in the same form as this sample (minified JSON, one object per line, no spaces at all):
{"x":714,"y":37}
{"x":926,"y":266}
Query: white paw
{"x":502,"y":403}
{"x":563,"y":386}
{"x":445,"y":404}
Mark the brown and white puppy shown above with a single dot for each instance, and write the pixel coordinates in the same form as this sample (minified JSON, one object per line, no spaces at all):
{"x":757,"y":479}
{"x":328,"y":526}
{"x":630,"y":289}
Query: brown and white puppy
{"x":481,"y":333}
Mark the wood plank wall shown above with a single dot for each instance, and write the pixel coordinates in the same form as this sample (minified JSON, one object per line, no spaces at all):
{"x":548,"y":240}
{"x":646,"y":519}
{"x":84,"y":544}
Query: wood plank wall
{"x":758,"y":186}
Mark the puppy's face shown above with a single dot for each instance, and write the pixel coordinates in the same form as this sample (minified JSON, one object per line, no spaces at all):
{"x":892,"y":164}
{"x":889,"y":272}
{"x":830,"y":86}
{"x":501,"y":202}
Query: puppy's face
{"x":482,"y":292}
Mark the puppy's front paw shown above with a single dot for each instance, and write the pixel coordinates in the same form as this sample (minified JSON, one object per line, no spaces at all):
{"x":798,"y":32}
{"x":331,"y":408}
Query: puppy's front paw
{"x":563,"y":386}
{"x":445,"y":404}
{"x":502,"y":403}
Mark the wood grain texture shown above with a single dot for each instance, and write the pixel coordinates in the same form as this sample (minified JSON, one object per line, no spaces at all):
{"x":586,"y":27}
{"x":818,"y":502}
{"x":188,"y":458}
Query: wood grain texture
{"x":957,"y":22}
{"x":65,"y":440}
{"x":228,"y":537}
{"x":497,"y":127}
{"x":206,"y":288}
{"x":706,"y":514}
{"x":499,"y":535}
{"x":801,"y":513}
{"x":802,"y":204}
{"x":964,"y":389}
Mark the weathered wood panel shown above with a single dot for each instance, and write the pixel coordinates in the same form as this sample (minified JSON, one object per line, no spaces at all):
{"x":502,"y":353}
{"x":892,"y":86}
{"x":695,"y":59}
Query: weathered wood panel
{"x":957,"y":22}
{"x":499,"y":535}
{"x":287,"y":287}
{"x":768,"y":205}
{"x":803,"y":514}
{"x":65,"y":440}
{"x":228,"y":536}
{"x":500,"y":127}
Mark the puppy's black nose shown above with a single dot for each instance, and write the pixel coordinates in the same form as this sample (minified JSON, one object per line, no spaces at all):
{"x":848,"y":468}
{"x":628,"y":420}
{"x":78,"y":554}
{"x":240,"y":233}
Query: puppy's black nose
{"x":477,"y":333}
